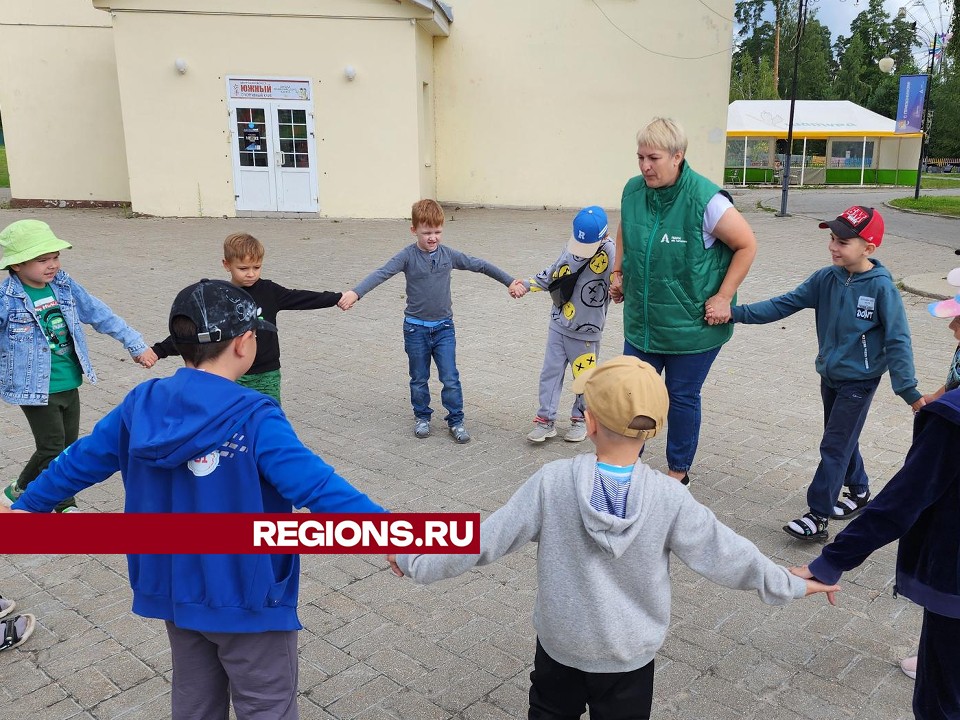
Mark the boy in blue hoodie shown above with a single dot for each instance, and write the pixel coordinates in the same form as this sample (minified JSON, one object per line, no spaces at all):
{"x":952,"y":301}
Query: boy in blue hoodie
{"x":862,"y":332}
{"x":197,"y":442}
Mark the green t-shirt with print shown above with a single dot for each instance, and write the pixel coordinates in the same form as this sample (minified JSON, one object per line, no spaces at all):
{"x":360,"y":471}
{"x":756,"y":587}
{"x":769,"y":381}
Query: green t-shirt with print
{"x":65,"y":371}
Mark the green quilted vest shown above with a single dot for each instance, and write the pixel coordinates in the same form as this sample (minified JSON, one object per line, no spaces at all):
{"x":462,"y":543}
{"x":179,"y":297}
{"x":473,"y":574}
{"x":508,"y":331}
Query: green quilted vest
{"x":667,"y":273}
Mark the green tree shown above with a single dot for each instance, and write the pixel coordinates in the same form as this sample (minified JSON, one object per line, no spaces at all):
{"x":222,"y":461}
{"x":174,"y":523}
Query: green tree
{"x":944,"y":132}
{"x":751,"y":72}
{"x":816,"y":66}
{"x":753,"y":82}
{"x":849,"y":83}
{"x":749,"y":15}
{"x":875,"y":35}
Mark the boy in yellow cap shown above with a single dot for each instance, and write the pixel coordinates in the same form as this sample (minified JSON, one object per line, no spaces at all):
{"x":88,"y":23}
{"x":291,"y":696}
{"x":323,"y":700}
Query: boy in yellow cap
{"x":606,"y":524}
{"x":43,"y":351}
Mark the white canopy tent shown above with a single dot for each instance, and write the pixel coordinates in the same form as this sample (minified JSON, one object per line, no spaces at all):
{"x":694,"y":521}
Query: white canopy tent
{"x":827,"y":120}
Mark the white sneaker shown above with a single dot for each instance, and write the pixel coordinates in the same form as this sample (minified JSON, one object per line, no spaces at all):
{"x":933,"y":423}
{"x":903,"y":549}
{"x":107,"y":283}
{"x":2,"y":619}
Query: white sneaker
{"x":541,"y":431}
{"x":577,"y":431}
{"x":909,"y":667}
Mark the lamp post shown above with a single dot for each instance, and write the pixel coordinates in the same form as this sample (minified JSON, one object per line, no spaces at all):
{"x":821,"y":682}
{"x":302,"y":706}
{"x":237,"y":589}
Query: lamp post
{"x":785,"y":180}
{"x":926,"y":114}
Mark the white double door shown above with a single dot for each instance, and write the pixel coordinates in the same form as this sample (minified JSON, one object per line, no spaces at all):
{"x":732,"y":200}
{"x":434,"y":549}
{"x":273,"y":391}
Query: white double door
{"x":274,"y":155}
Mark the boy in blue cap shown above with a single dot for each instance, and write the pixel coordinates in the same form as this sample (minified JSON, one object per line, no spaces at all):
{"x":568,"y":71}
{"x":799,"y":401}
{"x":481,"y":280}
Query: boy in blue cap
{"x":578,"y":282}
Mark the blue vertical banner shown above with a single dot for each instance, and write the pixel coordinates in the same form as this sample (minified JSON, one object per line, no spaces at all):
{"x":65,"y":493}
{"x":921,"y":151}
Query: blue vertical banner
{"x":913,"y":90}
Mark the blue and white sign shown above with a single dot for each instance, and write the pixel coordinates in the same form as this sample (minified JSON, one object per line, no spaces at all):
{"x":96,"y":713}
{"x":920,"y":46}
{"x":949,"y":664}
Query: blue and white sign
{"x":913,"y":91}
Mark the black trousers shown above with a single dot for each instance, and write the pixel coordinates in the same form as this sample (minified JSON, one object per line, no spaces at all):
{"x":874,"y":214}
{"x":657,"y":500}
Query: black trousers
{"x":558,"y":692}
{"x":54,"y":426}
{"x":936,"y":695}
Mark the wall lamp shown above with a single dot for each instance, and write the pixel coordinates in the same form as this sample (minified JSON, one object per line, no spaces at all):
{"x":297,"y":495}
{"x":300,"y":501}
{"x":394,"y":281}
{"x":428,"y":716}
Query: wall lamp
{"x":181,"y":65}
{"x":349,"y":72}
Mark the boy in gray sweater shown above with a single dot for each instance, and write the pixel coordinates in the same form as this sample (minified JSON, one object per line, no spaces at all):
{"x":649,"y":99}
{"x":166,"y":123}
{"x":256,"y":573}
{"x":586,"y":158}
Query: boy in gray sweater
{"x":578,"y":282}
{"x":606,"y":525}
{"x":428,"y":332}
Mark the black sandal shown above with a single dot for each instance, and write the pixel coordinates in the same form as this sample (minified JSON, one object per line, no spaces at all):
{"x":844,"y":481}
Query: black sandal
{"x":849,"y":506}
{"x":809,"y":527}
{"x":12,"y":638}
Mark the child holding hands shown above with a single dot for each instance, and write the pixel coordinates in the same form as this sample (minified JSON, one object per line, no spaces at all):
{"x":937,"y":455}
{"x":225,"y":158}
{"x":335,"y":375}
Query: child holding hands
{"x":43,"y":351}
{"x":428,"y":332}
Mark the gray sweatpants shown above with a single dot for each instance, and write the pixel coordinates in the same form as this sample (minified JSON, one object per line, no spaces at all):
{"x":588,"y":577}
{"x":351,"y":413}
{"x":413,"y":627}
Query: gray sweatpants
{"x":562,"y":351}
{"x":257,"y":670}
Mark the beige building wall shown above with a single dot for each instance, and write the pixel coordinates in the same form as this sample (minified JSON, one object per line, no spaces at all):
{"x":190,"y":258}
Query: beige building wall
{"x":61,"y":105}
{"x":177,"y":127}
{"x":426,"y":114}
{"x":525,"y":103}
{"x":539,"y":102}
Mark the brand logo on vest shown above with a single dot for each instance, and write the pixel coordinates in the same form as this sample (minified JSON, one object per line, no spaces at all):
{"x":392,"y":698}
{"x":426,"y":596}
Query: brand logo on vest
{"x":204,"y":465}
{"x":668,"y":238}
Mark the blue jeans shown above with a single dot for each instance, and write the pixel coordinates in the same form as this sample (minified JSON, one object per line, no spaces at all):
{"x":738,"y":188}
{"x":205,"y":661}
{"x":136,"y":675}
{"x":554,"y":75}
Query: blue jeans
{"x":684,"y":376}
{"x":845,"y":410}
{"x":440,"y":344}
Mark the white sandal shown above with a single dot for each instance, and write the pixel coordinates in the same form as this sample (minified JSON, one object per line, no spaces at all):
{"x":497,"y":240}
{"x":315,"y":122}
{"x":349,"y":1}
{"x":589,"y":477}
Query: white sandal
{"x":12,"y":637}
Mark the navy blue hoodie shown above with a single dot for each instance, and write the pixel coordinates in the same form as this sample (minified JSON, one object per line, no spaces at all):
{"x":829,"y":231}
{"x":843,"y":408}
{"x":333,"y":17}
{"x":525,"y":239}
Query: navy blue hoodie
{"x":920,"y":506}
{"x":199,"y":443}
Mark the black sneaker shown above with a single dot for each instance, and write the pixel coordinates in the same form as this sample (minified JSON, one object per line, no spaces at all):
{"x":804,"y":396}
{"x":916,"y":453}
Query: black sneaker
{"x":850,"y":505}
{"x":810,"y":527}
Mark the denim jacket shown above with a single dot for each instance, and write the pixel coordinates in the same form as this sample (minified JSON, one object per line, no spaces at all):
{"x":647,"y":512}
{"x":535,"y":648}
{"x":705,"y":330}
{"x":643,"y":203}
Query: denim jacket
{"x":24,"y":352}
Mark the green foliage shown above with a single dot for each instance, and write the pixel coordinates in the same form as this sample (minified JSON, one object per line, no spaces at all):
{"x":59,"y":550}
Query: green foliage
{"x":749,"y":13}
{"x":849,"y":83}
{"x":944,"y":135}
{"x":816,"y":61}
{"x":4,"y":173}
{"x":941,"y":204}
{"x":753,"y":82}
{"x":848,"y":69}
{"x":940,"y":182}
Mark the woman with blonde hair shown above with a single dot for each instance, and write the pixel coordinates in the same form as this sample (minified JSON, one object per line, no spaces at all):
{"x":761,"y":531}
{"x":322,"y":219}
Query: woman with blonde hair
{"x":682,"y":251}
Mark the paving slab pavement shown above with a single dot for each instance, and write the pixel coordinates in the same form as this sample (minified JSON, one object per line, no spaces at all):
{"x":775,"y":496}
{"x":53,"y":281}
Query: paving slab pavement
{"x":377,"y":647}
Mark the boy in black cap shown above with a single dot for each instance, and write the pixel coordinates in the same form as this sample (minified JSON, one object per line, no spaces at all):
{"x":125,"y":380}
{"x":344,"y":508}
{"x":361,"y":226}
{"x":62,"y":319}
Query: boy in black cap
{"x":862,"y":332}
{"x":198,"y":442}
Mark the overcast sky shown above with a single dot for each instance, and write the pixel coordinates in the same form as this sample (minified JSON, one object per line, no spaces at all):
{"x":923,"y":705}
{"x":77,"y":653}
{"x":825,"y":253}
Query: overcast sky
{"x":838,"y":14}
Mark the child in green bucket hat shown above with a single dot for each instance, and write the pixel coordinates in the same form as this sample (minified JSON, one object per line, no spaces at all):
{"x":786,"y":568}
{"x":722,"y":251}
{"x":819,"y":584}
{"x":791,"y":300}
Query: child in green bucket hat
{"x":43,"y":350}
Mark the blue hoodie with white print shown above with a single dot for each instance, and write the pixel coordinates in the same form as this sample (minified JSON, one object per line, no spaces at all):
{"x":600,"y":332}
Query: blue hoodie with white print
{"x":861,"y":325}
{"x":196,"y":442}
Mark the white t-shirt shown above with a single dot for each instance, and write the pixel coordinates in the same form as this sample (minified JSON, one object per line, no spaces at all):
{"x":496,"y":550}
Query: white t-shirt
{"x":717,"y":206}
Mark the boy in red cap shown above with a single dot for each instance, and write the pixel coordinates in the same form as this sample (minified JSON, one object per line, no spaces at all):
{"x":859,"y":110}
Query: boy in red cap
{"x":862,"y":332}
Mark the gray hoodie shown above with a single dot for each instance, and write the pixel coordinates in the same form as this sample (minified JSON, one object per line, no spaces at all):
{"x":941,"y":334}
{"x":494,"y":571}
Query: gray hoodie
{"x":603,"y":602}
